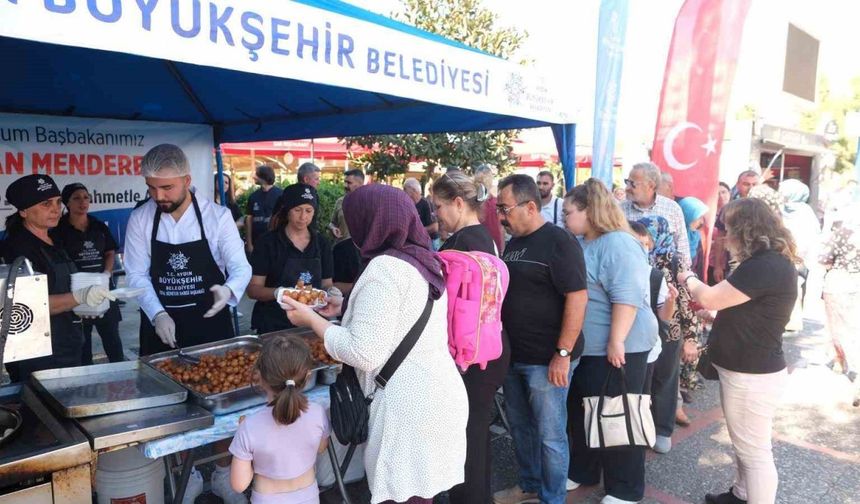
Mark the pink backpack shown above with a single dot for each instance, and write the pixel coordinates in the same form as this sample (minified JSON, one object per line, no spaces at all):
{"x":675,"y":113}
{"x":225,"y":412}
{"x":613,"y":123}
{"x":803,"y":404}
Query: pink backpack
{"x":476,"y":283}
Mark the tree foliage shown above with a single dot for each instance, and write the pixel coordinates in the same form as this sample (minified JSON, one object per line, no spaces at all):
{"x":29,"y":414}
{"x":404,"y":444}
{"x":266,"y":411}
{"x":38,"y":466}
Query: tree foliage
{"x":465,"y":21}
{"x":835,"y":108}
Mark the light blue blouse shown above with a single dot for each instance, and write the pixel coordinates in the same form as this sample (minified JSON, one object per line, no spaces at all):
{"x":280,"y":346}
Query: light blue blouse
{"x":618,"y":273}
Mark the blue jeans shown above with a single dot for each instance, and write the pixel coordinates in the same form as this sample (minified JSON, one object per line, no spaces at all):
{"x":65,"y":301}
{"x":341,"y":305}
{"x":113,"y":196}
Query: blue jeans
{"x":537,"y":412}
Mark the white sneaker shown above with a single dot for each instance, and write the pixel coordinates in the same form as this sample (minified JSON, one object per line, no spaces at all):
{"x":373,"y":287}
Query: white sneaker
{"x":220,"y":485}
{"x":572,"y":485}
{"x":194,"y":487}
{"x":615,"y":500}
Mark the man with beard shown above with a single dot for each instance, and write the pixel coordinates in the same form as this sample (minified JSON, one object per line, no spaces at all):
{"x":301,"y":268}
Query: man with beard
{"x":550,"y":204}
{"x":178,"y":248}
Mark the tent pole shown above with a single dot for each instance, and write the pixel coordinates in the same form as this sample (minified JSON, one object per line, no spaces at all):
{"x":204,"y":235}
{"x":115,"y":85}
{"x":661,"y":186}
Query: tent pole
{"x":219,"y":162}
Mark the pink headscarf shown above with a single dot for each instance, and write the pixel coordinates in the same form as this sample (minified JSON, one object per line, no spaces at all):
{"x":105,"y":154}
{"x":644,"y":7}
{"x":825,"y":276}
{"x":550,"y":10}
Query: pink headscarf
{"x":382,"y":220}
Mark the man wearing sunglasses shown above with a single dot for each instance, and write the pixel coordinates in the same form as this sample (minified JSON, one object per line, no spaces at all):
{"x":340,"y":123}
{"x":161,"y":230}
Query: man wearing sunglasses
{"x":542,"y":313}
{"x":643,"y":201}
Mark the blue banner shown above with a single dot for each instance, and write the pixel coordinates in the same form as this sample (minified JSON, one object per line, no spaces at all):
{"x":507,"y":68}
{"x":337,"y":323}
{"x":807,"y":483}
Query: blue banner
{"x":610,"y":58}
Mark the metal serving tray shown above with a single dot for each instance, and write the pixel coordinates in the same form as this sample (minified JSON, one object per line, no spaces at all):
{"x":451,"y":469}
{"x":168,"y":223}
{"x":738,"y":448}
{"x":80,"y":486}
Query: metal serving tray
{"x":225,"y":402}
{"x":106,"y":388}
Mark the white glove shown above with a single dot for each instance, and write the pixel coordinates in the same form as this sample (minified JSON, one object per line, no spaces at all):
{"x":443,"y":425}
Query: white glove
{"x":165,"y":328}
{"x":93,"y":295}
{"x":222,"y":294}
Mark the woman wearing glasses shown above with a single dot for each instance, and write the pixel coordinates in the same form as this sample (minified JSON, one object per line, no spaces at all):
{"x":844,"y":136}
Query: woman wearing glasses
{"x":458,"y":199}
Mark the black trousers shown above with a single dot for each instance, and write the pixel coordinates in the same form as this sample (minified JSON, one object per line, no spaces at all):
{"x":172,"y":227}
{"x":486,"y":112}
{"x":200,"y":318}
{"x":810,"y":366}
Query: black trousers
{"x":481,"y":387}
{"x":623,"y":469}
{"x":108,"y":327}
{"x":664,"y":387}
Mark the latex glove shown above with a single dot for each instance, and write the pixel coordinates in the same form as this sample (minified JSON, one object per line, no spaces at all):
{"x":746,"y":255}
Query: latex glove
{"x":222,"y":294}
{"x":334,"y":292}
{"x":165,"y":328}
{"x":93,"y":295}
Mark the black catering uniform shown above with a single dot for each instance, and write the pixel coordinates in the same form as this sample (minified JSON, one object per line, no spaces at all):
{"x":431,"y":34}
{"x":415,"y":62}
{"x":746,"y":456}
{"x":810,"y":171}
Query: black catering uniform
{"x":67,"y":338}
{"x":276,"y":258}
{"x":181,"y":276}
{"x":87,"y":249}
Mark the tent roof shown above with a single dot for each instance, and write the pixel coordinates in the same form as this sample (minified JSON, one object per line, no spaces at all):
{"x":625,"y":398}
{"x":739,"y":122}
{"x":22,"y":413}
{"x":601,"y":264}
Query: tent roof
{"x":88,"y":76}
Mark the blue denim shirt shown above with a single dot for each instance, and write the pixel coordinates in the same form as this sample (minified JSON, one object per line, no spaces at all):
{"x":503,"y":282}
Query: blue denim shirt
{"x":618,"y":273}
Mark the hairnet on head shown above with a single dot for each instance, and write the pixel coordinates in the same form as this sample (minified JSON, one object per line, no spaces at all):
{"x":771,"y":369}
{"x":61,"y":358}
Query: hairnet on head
{"x":165,"y":161}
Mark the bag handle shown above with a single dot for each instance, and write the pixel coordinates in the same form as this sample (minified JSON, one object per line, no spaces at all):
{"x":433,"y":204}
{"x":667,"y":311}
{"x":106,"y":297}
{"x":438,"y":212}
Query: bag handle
{"x":628,"y":422}
{"x":404,"y":347}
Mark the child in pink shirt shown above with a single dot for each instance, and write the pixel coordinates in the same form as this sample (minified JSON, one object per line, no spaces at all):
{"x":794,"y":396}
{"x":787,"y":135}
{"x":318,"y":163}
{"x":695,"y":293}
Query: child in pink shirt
{"x":277,"y":447}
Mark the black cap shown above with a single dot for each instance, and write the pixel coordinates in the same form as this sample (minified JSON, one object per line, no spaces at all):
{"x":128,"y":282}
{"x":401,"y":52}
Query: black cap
{"x":70,"y":189}
{"x":31,"y":190}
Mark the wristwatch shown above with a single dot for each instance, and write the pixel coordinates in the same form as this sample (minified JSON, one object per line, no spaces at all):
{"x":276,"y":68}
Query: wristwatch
{"x":563,"y":352}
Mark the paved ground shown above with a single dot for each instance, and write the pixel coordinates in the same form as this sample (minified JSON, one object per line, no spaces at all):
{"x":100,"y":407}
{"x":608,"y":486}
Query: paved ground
{"x":816,"y":439}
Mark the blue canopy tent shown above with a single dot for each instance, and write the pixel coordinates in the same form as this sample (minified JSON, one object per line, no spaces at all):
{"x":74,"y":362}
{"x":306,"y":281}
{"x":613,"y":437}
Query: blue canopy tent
{"x":68,"y":59}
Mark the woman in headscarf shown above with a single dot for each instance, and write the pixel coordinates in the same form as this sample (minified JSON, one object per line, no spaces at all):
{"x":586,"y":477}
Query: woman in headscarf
{"x":293,"y":251}
{"x":800,"y":220}
{"x":680,"y":342}
{"x":36,"y":199}
{"x":694,"y":218}
{"x":417,"y":431}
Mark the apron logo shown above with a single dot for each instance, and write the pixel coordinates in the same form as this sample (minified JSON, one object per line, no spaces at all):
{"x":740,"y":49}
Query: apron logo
{"x":307,"y":194}
{"x":88,"y":244}
{"x":178,"y":261}
{"x":307,"y":277}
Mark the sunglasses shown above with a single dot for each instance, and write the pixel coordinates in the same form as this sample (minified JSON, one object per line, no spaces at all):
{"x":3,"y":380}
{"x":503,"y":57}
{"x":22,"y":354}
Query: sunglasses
{"x":502,"y":209}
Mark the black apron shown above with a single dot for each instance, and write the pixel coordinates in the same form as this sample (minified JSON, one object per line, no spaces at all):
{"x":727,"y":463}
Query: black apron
{"x":87,"y":249}
{"x":268,"y":316}
{"x":67,"y":337}
{"x":181,"y":276}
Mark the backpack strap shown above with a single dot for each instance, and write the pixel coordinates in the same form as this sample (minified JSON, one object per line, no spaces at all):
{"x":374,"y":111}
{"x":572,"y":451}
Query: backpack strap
{"x":404,"y":347}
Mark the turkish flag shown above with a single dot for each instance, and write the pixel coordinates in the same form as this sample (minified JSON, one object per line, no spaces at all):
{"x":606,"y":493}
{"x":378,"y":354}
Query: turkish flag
{"x":697,"y":86}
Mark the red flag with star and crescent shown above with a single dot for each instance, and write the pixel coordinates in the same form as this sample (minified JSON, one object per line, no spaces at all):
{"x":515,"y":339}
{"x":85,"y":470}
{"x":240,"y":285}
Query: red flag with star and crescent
{"x":697,"y":86}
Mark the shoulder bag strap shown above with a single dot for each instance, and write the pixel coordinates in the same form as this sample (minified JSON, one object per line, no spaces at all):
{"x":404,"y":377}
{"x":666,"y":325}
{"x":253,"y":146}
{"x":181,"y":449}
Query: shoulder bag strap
{"x":404,"y":347}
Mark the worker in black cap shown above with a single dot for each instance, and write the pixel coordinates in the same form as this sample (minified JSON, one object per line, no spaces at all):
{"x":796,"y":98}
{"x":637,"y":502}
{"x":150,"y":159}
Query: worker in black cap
{"x":37,"y":200}
{"x":294,"y":250}
{"x":92,"y":247}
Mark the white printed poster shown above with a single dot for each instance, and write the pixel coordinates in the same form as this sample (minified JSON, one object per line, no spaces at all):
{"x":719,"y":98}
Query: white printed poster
{"x":102,"y":154}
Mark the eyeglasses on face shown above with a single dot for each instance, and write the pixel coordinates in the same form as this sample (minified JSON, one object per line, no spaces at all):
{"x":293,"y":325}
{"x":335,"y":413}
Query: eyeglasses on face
{"x":502,"y":209}
{"x":630,"y":183}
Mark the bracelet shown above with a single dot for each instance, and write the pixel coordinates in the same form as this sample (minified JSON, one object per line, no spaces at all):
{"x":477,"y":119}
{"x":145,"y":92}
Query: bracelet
{"x":691,"y":275}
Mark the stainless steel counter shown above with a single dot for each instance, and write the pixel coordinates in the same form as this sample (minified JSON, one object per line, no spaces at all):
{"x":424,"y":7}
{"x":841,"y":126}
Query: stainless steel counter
{"x":120,"y":429}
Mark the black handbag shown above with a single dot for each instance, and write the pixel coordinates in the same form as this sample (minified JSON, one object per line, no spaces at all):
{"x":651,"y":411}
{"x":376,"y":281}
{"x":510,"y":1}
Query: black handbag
{"x":350,"y":409}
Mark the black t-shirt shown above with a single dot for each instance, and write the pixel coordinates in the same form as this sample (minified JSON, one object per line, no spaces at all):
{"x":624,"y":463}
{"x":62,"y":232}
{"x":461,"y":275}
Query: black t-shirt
{"x":25,"y":243}
{"x":274,"y":249}
{"x":86,"y":248}
{"x":471,"y":239}
{"x":544,"y":266}
{"x":747,"y":338}
{"x":347,"y":262}
{"x":261,"y":205}
{"x":428,"y":217}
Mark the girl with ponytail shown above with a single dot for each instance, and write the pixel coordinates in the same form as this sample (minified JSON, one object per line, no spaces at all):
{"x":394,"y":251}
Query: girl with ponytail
{"x":288,"y":420}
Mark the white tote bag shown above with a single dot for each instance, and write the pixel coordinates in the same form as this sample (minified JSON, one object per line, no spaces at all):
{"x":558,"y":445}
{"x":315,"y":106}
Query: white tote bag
{"x":620,"y":421}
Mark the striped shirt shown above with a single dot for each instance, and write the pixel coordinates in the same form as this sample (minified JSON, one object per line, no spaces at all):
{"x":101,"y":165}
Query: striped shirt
{"x":669,"y":210}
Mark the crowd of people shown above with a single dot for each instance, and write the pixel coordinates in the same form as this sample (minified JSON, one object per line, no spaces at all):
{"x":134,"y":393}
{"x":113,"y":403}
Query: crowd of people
{"x":600,"y":280}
